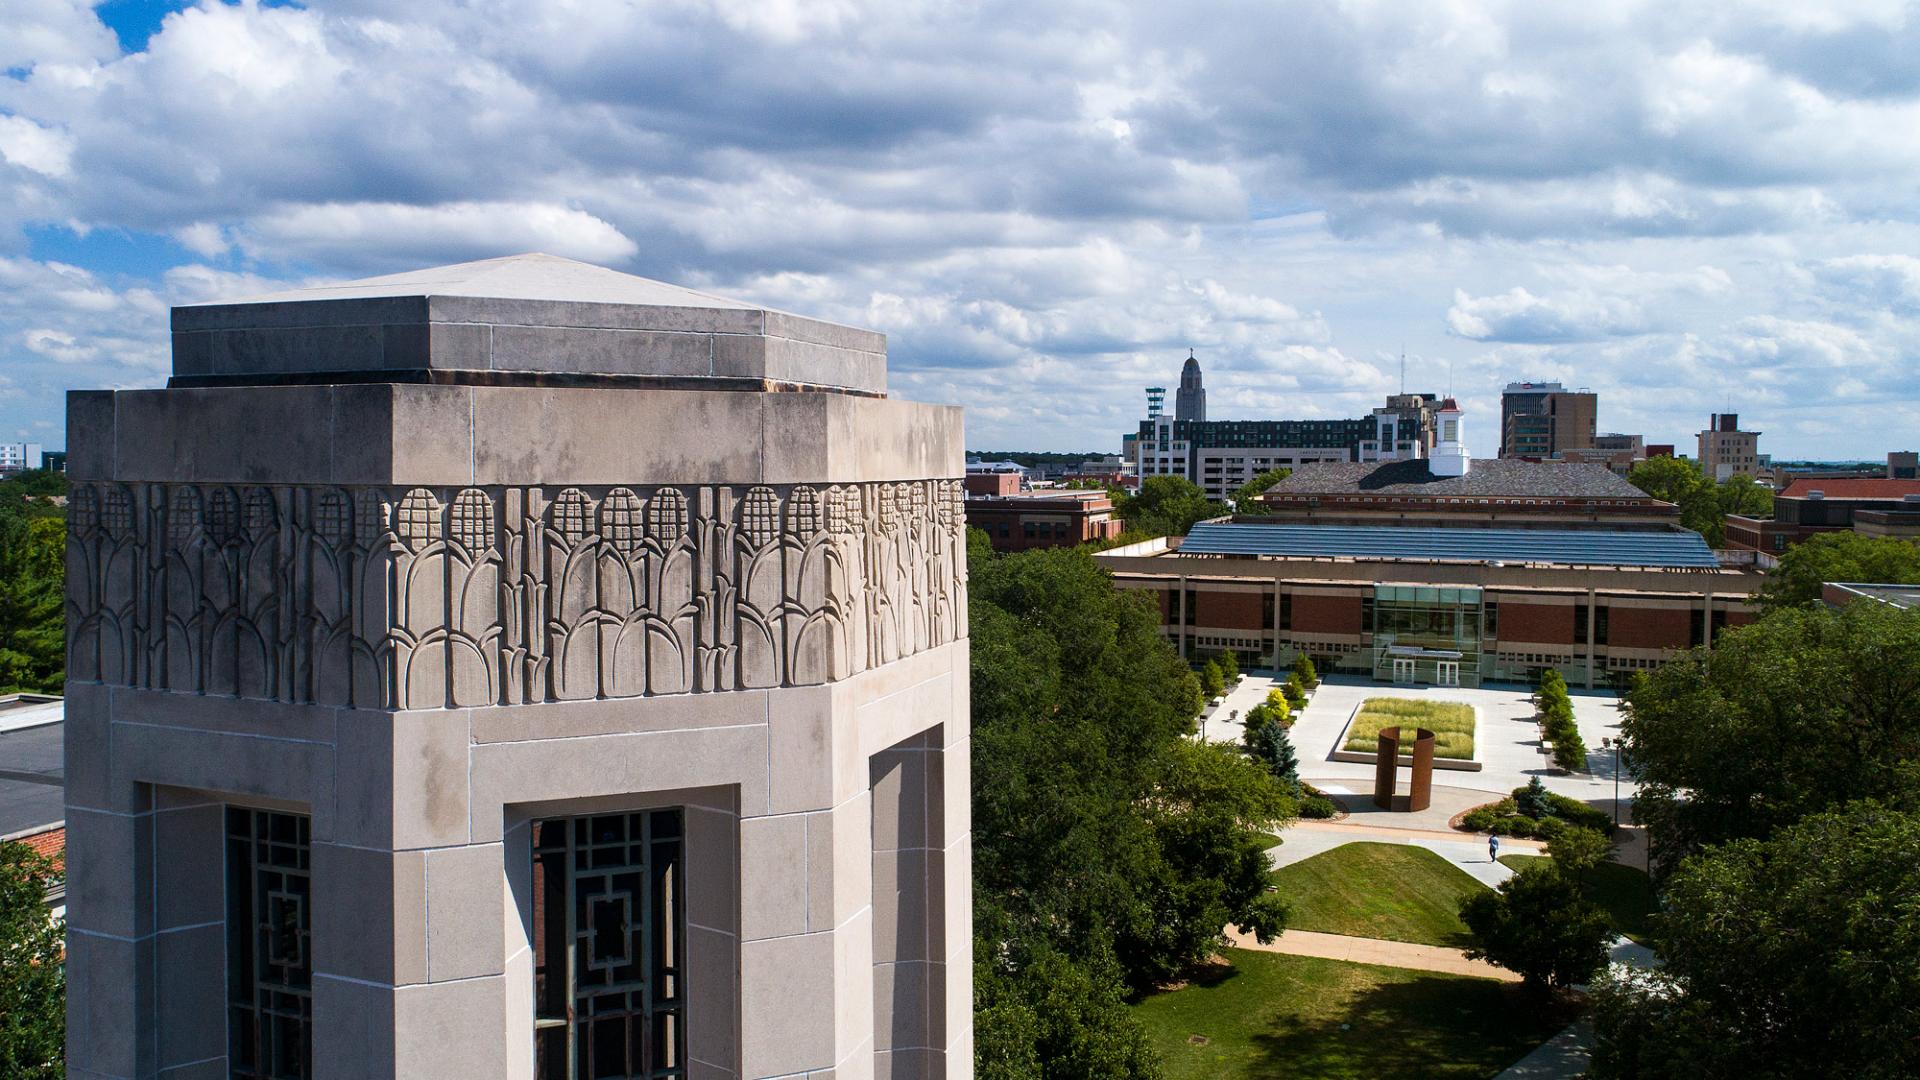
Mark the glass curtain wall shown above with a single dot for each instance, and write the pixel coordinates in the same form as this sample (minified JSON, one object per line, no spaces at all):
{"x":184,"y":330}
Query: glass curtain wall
{"x":1427,"y":635}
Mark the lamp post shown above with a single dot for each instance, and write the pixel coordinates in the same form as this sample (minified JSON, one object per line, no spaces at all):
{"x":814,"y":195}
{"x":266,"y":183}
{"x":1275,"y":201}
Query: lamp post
{"x":1614,"y":745}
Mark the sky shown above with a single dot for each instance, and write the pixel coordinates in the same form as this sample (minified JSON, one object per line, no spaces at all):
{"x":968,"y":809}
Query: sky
{"x":1687,"y":207}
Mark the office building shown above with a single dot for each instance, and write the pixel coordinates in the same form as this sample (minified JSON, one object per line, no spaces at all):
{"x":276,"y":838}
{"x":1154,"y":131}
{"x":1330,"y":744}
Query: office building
{"x":1903,"y":465}
{"x":19,"y":457}
{"x":1054,"y":517}
{"x":1727,"y":451}
{"x":1870,"y":506}
{"x":1190,"y":401}
{"x":1541,"y":419}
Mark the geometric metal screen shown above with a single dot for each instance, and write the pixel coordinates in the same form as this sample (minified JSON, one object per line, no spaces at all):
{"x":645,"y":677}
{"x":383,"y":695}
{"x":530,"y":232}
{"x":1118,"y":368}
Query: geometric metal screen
{"x":269,"y":945}
{"x":609,"y":933}
{"x":1672,"y":549}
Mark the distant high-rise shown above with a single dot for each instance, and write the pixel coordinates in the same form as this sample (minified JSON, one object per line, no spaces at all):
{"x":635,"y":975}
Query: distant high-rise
{"x":1539,"y":420}
{"x":1190,"y":402}
{"x":1725,"y":450}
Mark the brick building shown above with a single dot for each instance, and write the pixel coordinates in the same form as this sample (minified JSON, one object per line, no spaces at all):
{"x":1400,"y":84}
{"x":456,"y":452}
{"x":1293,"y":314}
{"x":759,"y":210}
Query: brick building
{"x":1872,"y":506}
{"x":1493,"y":493}
{"x":1017,"y":520}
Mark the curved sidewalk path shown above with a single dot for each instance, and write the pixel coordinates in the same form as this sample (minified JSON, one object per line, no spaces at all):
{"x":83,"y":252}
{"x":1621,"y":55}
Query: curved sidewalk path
{"x":1360,"y":950}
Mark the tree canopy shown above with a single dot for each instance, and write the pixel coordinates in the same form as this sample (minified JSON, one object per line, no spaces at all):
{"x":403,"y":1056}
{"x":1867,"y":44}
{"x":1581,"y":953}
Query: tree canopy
{"x":1787,"y":957}
{"x":1704,"y":504}
{"x":1104,"y":839}
{"x":1792,"y":715}
{"x":1839,"y":556}
{"x":32,"y":980}
{"x":1168,"y":506}
{"x":32,"y":591}
{"x":1246,"y":498}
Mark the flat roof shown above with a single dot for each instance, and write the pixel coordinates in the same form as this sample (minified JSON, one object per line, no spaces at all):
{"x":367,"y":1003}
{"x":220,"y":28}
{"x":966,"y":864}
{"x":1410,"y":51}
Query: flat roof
{"x":33,"y":782}
{"x":1905,"y":597}
{"x":1675,"y":549}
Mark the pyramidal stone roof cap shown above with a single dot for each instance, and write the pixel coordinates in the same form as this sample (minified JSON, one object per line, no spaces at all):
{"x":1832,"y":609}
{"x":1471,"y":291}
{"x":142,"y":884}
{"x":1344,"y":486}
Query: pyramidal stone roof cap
{"x":518,"y":319}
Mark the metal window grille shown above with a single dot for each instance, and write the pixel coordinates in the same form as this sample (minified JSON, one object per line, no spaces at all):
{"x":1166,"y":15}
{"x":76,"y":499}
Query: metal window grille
{"x":609,"y":947}
{"x":269,"y":945}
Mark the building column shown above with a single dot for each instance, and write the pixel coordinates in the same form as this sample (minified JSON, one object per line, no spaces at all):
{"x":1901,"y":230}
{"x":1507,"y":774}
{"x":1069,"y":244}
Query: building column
{"x":1591,"y":624}
{"x":1706,"y":620}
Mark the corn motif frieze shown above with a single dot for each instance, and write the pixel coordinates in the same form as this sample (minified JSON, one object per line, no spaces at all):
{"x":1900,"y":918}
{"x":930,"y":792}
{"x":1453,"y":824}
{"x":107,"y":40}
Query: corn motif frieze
{"x":411,"y":598}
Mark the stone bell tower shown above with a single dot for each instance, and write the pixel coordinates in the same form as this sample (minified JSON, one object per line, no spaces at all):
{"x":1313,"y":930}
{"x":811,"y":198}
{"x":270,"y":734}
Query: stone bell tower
{"x":516,"y":670}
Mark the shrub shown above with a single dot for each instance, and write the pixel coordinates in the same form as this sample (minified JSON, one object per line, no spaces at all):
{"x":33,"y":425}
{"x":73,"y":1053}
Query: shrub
{"x":1540,"y":925}
{"x":1318,"y":807}
{"x":1508,"y":818}
{"x":1211,"y":682}
{"x":1295,"y":694}
{"x":1304,"y":671}
{"x":1272,"y":747}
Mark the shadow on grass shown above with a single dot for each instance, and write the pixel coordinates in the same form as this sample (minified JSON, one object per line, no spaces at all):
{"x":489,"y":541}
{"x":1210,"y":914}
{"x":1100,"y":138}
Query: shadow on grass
{"x":1424,"y":1027}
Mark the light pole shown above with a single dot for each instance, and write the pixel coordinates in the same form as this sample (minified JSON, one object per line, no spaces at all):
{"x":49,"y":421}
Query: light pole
{"x":1614,"y":745}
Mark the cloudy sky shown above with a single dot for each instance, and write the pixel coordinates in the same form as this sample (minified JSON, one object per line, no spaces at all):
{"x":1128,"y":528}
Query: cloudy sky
{"x":1687,"y":207}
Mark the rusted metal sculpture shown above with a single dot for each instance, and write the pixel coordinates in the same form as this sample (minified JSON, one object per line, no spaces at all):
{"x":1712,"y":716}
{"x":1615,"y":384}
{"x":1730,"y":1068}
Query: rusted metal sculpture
{"x":1387,"y":766}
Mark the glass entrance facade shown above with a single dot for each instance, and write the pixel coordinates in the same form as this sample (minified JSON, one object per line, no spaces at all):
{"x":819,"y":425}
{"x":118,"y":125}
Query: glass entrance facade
{"x":1427,"y":635}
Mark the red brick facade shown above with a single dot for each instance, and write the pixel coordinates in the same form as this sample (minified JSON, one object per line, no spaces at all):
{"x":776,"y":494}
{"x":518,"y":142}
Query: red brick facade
{"x":1315,"y":613}
{"x":1537,"y":624}
{"x":1229,"y":610}
{"x":1648,"y":628}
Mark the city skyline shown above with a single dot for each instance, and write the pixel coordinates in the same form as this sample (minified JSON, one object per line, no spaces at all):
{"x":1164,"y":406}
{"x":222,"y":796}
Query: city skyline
{"x":1689,"y":212}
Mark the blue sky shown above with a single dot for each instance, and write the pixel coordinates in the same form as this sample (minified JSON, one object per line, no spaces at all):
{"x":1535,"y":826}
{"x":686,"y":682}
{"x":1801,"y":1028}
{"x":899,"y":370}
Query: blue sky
{"x":1688,"y":208}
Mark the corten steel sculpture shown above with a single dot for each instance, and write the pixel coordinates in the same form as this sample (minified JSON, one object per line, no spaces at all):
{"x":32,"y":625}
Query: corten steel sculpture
{"x":485,"y":671}
{"x":1386,"y":772}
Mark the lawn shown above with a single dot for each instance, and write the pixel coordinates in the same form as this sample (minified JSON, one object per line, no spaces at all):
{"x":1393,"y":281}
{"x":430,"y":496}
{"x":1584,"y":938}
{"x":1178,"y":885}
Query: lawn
{"x":1393,"y":891}
{"x":1624,"y":893}
{"x":1450,"y":721}
{"x":1271,"y":1015}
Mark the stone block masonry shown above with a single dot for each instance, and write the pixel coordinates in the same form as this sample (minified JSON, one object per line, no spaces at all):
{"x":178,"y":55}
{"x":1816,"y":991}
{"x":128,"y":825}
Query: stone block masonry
{"x":428,"y":717}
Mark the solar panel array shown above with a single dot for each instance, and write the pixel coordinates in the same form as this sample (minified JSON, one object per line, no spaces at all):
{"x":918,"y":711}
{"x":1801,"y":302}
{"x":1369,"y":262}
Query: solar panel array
{"x":1678,"y":549}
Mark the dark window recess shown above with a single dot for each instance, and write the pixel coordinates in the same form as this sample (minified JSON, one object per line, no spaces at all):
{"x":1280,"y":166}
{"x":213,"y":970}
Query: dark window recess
{"x":1267,"y":611}
{"x":1366,"y":615}
{"x":609,"y":947}
{"x":1286,"y":611}
{"x":1491,"y":620}
{"x":269,"y":945}
{"x":1579,"y":624}
{"x":1600,"y":625}
{"x":1696,"y":631}
{"x":1193,"y":607}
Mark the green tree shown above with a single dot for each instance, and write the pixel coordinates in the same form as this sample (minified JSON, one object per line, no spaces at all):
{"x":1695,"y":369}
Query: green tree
{"x":1212,"y":682}
{"x":1103,"y":836}
{"x":979,"y":544}
{"x":1576,"y":850}
{"x":1246,"y":498}
{"x":1798,"y":712}
{"x":1786,"y":957}
{"x":32,"y":610}
{"x":1168,"y":506}
{"x":1303,"y":670}
{"x":1743,"y":495}
{"x":1275,"y":750}
{"x":1538,"y":925}
{"x":32,"y":977}
{"x":1053,"y":1019}
{"x":1839,"y":556}
{"x":1532,"y":800}
{"x":1704,"y":504}
{"x":1229,"y":666}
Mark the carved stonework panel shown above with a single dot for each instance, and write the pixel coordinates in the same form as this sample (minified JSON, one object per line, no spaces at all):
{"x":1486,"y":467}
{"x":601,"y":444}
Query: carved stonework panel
{"x":456,"y":597}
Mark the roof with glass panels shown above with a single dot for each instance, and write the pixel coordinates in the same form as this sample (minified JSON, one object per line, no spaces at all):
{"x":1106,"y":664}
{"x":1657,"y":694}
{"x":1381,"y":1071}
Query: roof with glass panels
{"x":1663,"y":549}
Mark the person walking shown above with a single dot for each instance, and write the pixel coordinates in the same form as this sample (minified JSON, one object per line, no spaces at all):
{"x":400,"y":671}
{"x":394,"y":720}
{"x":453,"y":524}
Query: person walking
{"x":1493,"y":848}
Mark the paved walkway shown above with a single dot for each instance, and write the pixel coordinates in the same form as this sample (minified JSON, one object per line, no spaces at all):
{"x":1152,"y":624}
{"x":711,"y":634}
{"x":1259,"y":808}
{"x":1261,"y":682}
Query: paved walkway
{"x":1562,"y":1057}
{"x":1305,"y":839}
{"x":1360,"y":950}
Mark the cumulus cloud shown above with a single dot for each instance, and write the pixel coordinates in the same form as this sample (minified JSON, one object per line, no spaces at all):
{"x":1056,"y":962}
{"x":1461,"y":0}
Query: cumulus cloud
{"x":1043,"y":205}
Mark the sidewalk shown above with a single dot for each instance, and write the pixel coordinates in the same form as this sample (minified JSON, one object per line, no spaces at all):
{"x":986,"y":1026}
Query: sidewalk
{"x":1359,"y":950}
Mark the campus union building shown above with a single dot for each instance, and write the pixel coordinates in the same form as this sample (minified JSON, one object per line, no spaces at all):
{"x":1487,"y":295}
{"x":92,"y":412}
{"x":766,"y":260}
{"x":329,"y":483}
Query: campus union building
{"x":1394,"y":572}
{"x":516,"y":671}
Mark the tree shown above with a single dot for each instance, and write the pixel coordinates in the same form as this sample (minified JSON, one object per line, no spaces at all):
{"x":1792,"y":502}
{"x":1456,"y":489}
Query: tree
{"x":1229,"y":667}
{"x":1532,"y":800}
{"x":1743,"y":495}
{"x":1103,"y":837}
{"x":32,"y":606}
{"x":1293,"y":691}
{"x":979,"y":544}
{"x":1168,"y":506}
{"x":1212,"y":682}
{"x":32,"y":979}
{"x":1704,"y":504}
{"x":1052,"y":1019}
{"x":1576,"y":850}
{"x":1303,"y":670}
{"x":1246,"y":498}
{"x":1538,"y":925}
{"x":1786,"y":957}
{"x":1794,"y":714}
{"x":1274,"y":749}
{"x":1839,"y":556}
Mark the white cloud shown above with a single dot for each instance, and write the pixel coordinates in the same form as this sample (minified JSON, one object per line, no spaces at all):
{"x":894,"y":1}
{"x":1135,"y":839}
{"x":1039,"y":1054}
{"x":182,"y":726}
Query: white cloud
{"x":449,"y":231}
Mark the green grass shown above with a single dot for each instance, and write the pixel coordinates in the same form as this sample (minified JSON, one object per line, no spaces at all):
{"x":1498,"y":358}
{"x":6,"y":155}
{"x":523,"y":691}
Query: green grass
{"x":1623,"y":892}
{"x":1305,"y":1018}
{"x":1397,"y":892}
{"x":1271,"y":840}
{"x":1450,"y":721}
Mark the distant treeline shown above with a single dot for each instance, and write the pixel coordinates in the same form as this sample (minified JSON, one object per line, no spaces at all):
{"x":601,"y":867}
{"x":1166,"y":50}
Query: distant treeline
{"x":1031,"y":458}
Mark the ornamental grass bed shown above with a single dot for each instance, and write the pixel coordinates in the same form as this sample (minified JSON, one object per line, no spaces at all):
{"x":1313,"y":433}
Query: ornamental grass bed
{"x":1450,"y":721}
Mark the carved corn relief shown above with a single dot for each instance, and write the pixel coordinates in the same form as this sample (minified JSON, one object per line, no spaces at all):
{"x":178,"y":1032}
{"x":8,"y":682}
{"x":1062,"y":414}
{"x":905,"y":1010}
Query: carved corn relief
{"x":431,"y":597}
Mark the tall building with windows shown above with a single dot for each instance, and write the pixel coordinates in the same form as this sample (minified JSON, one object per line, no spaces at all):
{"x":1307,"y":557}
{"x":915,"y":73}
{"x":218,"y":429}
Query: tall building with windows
{"x":1190,"y":401}
{"x":1725,"y":450}
{"x":516,"y":671}
{"x":1539,"y":420}
{"x":1222,"y":455}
